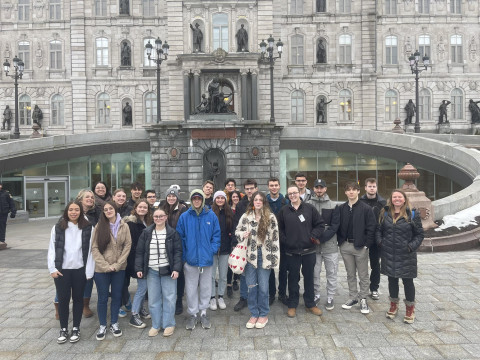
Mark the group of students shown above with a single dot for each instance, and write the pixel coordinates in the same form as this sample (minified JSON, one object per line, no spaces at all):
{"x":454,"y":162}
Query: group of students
{"x":172,"y":248}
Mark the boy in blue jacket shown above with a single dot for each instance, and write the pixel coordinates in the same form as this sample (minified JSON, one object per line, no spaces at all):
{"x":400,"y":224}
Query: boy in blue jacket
{"x":199,"y":230}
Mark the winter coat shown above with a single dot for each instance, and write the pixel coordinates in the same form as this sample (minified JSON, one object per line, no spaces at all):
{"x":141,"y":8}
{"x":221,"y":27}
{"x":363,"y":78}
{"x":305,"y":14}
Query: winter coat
{"x":116,"y":253}
{"x":93,"y":215}
{"x":276,"y":205}
{"x":174,"y":214}
{"x":125,"y":210}
{"x":173,"y":247}
{"x":226,"y":234}
{"x":200,"y":234}
{"x":376,"y":204}
{"x":136,"y":228}
{"x":6,"y":203}
{"x":398,"y":244}
{"x":364,"y":224}
{"x":328,"y":241}
{"x":270,"y":246}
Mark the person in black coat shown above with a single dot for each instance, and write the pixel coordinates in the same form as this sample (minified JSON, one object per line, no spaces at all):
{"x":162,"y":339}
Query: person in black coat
{"x":159,"y":259}
{"x":6,"y":206}
{"x":399,"y":234}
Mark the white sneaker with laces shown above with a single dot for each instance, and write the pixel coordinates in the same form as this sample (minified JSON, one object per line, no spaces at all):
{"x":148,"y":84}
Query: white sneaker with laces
{"x":316,"y":298}
{"x":213,"y":304}
{"x":364,"y":306}
{"x":221,"y":303}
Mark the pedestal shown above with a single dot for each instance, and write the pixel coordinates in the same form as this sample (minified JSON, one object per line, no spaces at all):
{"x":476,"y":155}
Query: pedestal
{"x":410,"y":128}
{"x":36,"y":133}
{"x":4,"y":134}
{"x":475,"y":129}
{"x":444,"y":128}
{"x":421,"y":203}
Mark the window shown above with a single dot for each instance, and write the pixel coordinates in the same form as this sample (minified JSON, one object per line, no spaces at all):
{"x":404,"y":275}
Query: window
{"x":424,"y":45}
{"x":146,"y":61}
{"x":55,"y":55}
{"x":150,"y":107}
{"x":391,"y":50}
{"x":23,"y":10}
{"x":101,"y":7}
{"x":345,"y":49}
{"x":456,"y":49}
{"x":24,"y":53}
{"x":456,"y":6}
{"x":457,"y":104}
{"x":57,"y":110}
{"x":321,"y":5}
{"x":424,"y":6}
{"x":345,"y":6}
{"x":390,"y":7}
{"x":102,"y":51}
{"x":220,"y":31}
{"x":103,"y":105}
{"x":25,"y":110}
{"x":55,"y":9}
{"x":148,"y":7}
{"x":346,"y":107}
{"x":424,"y":104}
{"x":297,"y":50}
{"x":296,"y":7}
{"x":391,"y":105}
{"x":297,"y":107}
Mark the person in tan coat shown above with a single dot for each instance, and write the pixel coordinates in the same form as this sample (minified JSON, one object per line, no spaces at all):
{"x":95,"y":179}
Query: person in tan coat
{"x":111,"y":243}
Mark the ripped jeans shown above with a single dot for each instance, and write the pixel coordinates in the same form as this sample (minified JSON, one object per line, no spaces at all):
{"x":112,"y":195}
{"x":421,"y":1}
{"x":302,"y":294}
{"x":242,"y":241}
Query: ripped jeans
{"x":257,"y":283}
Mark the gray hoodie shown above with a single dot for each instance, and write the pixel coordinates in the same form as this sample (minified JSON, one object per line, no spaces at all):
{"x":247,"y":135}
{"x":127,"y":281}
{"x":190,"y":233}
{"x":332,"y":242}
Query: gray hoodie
{"x":324,"y":203}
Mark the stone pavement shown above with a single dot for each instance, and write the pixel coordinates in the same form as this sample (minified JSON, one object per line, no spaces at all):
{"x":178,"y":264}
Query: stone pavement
{"x":447,"y":324}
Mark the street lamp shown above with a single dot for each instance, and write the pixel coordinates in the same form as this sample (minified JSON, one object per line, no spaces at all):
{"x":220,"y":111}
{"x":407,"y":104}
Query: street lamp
{"x":162,"y":54}
{"x":18,"y":66}
{"x":267,"y":56}
{"x":414,"y":63}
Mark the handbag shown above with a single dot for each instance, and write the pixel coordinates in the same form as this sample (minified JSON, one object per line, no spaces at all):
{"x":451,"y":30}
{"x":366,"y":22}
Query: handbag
{"x":238,"y":259}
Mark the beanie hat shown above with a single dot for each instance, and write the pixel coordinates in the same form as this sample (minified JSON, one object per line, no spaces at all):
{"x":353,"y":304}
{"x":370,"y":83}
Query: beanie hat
{"x":172,"y":191}
{"x":219,"y":193}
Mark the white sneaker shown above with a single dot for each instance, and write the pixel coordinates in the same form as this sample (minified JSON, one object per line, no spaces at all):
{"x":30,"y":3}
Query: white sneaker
{"x":213,"y":304}
{"x":316,"y":298}
{"x":364,"y":309}
{"x":221,"y":303}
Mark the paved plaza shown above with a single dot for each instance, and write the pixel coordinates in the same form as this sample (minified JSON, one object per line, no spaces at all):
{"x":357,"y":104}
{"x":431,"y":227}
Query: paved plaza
{"x":447,"y":324}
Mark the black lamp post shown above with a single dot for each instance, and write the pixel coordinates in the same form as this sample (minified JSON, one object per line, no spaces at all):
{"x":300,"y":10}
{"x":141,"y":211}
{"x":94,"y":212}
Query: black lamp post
{"x":414,"y":63}
{"x":162,"y":54}
{"x":18,"y":66}
{"x":267,"y":56}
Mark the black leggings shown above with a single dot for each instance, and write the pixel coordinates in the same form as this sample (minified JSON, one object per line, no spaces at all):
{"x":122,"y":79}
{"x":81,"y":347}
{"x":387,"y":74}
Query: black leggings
{"x":70,"y":285}
{"x":408,"y":287}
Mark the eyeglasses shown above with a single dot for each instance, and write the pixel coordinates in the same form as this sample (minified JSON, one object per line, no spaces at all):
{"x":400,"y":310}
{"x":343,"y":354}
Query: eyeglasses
{"x":151,"y":197}
{"x":293,"y":193}
{"x":159,"y":216}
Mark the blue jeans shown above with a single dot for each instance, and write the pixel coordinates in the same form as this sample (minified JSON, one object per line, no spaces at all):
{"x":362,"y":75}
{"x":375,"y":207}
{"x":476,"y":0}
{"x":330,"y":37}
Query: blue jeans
{"x":139,"y":296}
{"x":103,"y":282}
{"x":162,"y":297}
{"x":257,"y":282}
{"x":243,"y":287}
{"x":220,"y":261}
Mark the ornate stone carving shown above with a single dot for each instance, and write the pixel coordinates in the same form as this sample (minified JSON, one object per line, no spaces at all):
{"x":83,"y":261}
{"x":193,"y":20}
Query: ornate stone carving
{"x":441,"y":48}
{"x":219,"y":55}
{"x":7,"y":9}
{"x":173,"y":154}
{"x":472,"y":47}
{"x":256,"y":153}
{"x":38,"y":8}
{"x":39,"y":55}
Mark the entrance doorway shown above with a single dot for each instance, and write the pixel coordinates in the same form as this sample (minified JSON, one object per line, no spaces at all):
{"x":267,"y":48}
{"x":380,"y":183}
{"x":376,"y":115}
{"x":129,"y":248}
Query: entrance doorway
{"x":46,"y":197}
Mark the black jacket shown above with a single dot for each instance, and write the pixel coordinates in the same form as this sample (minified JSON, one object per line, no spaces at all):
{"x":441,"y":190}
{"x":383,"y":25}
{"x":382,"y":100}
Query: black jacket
{"x":295,"y":234}
{"x":364,"y":224}
{"x":6,"y":203}
{"x":173,"y":246}
{"x":136,"y":229}
{"x":174,"y":215}
{"x":125,"y":210}
{"x":60,"y":245}
{"x":226,"y":234}
{"x":376,"y":204}
{"x":93,"y":215}
{"x":398,"y":244}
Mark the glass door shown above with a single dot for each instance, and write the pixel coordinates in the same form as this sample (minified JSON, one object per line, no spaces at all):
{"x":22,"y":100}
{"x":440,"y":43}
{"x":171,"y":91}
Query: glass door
{"x":35,"y":198}
{"x":46,"y":197}
{"x":56,"y":199}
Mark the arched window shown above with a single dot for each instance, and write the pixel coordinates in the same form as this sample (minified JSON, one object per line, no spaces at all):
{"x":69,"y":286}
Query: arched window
{"x":101,"y":47}
{"x":391,"y":106}
{"x":57,"y":108}
{"x":103,"y":107}
{"x":297,"y":107}
{"x":150,"y":107}
{"x":346,"y":105}
{"x":296,"y":50}
{"x":424,"y":46}
{"x":456,"y":49}
{"x":457,"y":104}
{"x":55,"y":55}
{"x":345,"y":49}
{"x":220,"y":31}
{"x":25,"y":110}
{"x":391,"y":50}
{"x":424,"y":105}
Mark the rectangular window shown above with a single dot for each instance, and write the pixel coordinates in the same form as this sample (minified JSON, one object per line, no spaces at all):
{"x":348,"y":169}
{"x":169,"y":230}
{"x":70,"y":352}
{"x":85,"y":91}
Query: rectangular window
{"x":297,"y":50}
{"x":55,"y":55}
{"x":345,"y":49}
{"x":424,"y":6}
{"x":424,"y":106}
{"x":55,"y":9}
{"x":390,"y":7}
{"x":296,"y":7}
{"x":148,"y":7}
{"x":345,"y":6}
{"x":101,"y":7}
{"x":456,"y":49}
{"x":424,"y":46}
{"x":24,"y":53}
{"x":456,"y":6}
{"x":23,"y":10}
{"x":102,"y":51}
{"x":391,"y":50}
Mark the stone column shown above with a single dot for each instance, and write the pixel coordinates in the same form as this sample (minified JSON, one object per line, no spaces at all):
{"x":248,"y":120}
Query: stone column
{"x":244,"y":99}
{"x":186,"y":95}
{"x":197,"y":93}
{"x":254,"y":92}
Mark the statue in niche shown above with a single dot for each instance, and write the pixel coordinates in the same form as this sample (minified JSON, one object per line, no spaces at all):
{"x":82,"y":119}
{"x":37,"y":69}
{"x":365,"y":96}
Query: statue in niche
{"x":475,"y":111}
{"x":322,"y":110}
{"x":7,"y":117}
{"x":321,"y":52}
{"x":410,"y":108}
{"x":321,"y":5}
{"x":197,"y":37}
{"x":242,"y":39}
{"x":37,"y":116}
{"x":127,"y":114}
{"x":124,"y":7}
{"x":214,"y":167}
{"x":443,"y":111}
{"x":126,"y":53}
{"x":203,"y":107}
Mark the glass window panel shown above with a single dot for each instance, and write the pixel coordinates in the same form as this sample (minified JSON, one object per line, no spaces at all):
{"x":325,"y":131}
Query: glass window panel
{"x":386,"y":176}
{"x":57,"y":168}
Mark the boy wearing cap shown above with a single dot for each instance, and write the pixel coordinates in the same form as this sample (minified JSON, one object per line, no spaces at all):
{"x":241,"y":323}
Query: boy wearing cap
{"x":327,"y":248}
{"x":199,"y":230}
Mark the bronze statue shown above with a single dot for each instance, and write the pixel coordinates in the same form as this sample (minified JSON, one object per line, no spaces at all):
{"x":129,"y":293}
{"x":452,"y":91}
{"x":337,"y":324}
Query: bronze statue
{"x":127,"y":114}
{"x":7,"y":117}
{"x":126,"y":54}
{"x":242,"y":39}
{"x":321,"y":5}
{"x":443,"y":111}
{"x":322,"y":110}
{"x":37,"y":116}
{"x":475,"y":111}
{"x":203,"y":107}
{"x":410,"y":108}
{"x":321,"y":52}
{"x":197,"y":37}
{"x":124,"y":7}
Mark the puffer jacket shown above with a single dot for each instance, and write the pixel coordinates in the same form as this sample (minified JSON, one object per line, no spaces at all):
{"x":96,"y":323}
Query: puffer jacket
{"x":398,"y":244}
{"x":136,"y":227}
{"x":328,"y":241}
